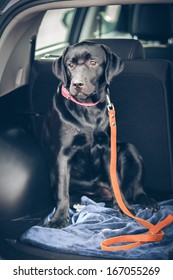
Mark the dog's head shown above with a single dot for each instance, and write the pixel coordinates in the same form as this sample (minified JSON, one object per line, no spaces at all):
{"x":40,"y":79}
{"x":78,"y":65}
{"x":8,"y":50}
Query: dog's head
{"x":85,"y":68}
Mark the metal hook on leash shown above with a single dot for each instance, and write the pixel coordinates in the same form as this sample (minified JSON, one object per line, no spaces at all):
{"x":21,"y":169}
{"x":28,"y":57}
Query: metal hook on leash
{"x":110,"y":105}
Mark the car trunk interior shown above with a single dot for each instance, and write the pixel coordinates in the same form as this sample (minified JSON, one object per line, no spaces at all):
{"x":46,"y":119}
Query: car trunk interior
{"x":26,"y":88}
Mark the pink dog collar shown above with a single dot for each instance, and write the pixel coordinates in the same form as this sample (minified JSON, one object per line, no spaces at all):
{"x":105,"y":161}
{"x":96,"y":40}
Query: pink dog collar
{"x":67,"y":95}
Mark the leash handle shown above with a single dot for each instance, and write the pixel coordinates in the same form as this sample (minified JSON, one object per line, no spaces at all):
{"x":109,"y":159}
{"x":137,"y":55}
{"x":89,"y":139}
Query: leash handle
{"x":154,"y":233}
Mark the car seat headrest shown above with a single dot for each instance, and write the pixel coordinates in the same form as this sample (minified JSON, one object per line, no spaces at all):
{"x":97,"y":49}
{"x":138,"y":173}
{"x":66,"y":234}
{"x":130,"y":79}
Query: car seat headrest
{"x":124,"y":48}
{"x":152,"y":22}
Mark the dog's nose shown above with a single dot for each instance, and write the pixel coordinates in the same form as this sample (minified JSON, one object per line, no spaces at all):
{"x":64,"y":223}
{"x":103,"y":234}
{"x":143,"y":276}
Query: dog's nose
{"x":78,"y":84}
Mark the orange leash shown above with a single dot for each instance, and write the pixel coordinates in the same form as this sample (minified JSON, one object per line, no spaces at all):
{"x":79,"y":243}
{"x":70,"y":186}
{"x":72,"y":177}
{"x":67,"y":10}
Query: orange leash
{"x":154,"y":233}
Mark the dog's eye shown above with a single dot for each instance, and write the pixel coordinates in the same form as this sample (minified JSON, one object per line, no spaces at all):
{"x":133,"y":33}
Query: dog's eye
{"x":92,"y":63}
{"x":71,"y":65}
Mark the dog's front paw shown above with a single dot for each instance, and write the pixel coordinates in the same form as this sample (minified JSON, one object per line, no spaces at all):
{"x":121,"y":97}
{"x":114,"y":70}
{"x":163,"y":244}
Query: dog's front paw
{"x":148,"y":203}
{"x":59,"y":220}
{"x":58,"y":224}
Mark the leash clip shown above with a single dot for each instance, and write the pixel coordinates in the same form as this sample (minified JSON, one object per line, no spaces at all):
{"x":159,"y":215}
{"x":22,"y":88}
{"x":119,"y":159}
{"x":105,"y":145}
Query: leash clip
{"x":110,"y":105}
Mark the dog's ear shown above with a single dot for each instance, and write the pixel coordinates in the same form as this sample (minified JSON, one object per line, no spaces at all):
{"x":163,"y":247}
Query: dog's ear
{"x":59,"y":69}
{"x":114,"y":64}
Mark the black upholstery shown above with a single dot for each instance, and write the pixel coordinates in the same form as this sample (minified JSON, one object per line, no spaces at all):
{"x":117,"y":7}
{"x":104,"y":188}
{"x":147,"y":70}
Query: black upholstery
{"x":24,"y":177}
{"x":159,"y":52}
{"x":43,"y":85}
{"x":141,"y":95}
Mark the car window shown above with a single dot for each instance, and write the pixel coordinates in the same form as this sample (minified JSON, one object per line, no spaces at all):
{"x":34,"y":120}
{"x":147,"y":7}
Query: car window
{"x":106,"y":22}
{"x":54,"y":30}
{"x":97,"y":22}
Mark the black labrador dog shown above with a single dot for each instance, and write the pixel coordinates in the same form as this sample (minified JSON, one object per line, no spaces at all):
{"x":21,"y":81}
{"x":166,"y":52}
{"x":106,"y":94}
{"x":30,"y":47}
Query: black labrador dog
{"x":76,"y":134}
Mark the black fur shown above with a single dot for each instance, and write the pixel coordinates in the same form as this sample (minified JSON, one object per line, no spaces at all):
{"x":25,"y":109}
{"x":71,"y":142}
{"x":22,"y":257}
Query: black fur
{"x":76,"y":138}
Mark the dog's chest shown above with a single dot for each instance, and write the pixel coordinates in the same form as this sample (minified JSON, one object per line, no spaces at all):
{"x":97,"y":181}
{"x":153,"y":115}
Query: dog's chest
{"x":89,"y":139}
{"x":88,"y":150}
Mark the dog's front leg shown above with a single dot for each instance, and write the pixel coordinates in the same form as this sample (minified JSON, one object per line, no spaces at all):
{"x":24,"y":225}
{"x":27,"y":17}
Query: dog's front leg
{"x":106,"y":164}
{"x":62,"y":177}
{"x":115,"y":205}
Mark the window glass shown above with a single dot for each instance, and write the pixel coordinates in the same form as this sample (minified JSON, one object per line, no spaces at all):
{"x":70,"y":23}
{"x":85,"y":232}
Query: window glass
{"x":105,"y":22}
{"x":54,"y":28}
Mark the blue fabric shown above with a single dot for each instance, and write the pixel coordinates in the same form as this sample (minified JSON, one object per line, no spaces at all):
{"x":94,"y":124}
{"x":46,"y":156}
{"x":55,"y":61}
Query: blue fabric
{"x":94,"y":223}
